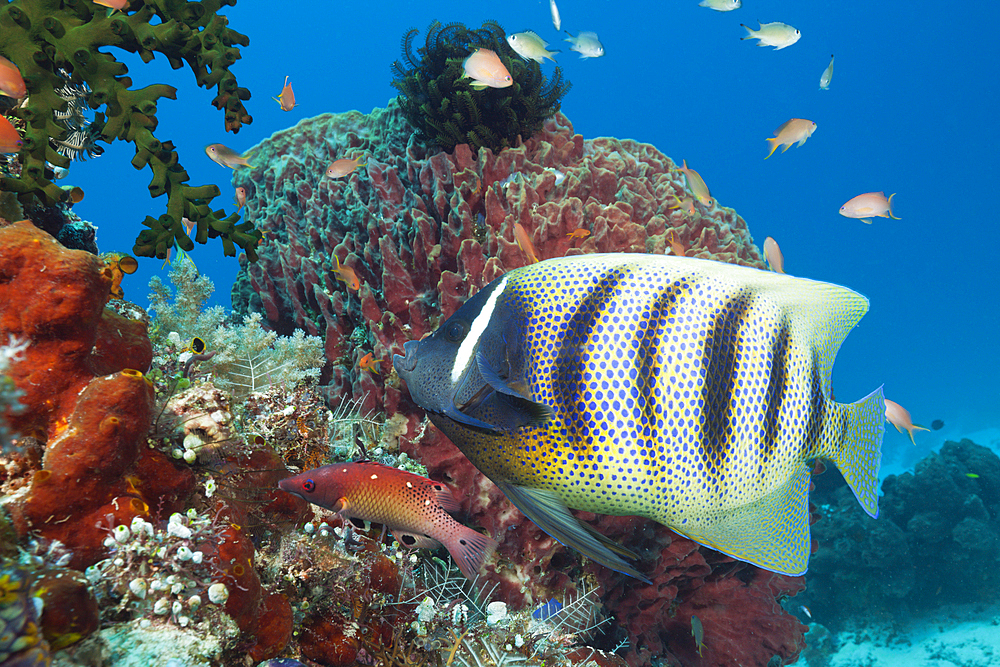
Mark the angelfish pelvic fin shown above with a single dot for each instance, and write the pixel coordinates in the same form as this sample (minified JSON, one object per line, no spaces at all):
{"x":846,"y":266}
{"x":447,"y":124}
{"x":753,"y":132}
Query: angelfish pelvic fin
{"x":549,"y":513}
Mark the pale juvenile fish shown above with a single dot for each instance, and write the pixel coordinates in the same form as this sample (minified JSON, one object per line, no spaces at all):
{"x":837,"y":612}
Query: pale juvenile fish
{"x":899,"y":417}
{"x":721,"y":5}
{"x":530,"y":46}
{"x":556,"y":21}
{"x":824,"y":81}
{"x":790,"y":132}
{"x":692,"y":392}
{"x":775,"y":260}
{"x":869,"y":205}
{"x":10,"y":140}
{"x":586,"y":44}
{"x":286,"y":100}
{"x":416,"y":509}
{"x":11,"y":83}
{"x":486,"y":70}
{"x":343,"y":167}
{"x":779,"y":35}
{"x":698,"y":632}
{"x":697,"y":185}
{"x":226,"y":156}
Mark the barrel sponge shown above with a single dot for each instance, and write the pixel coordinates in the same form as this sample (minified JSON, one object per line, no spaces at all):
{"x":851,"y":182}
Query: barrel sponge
{"x":61,"y":50}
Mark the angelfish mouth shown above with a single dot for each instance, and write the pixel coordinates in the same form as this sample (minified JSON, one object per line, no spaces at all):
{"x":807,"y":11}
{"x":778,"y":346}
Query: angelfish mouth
{"x":406,"y":362}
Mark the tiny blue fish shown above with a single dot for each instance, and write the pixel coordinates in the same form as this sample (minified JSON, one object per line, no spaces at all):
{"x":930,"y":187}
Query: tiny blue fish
{"x":547,"y":610}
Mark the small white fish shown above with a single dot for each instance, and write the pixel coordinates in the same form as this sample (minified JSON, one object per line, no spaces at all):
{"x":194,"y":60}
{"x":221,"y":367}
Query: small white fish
{"x":779,"y":35}
{"x":530,"y":46}
{"x":586,"y":44}
{"x":721,"y":5}
{"x":556,"y":21}
{"x":864,"y":207}
{"x":824,"y":81}
{"x":560,"y":177}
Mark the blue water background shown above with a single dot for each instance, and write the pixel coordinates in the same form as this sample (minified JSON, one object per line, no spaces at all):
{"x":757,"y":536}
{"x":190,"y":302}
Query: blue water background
{"x":912,"y":110}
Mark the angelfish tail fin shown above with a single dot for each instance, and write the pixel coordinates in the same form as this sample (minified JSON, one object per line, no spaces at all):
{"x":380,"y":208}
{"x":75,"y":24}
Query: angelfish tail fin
{"x":860,"y":454}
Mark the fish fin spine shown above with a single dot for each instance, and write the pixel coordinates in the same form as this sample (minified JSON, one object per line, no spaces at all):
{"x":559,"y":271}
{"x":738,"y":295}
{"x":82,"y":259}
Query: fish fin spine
{"x":859,"y":455}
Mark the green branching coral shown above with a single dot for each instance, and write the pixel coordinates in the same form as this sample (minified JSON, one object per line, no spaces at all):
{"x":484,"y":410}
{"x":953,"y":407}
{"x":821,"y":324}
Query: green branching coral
{"x":447,"y":111}
{"x":61,"y":43}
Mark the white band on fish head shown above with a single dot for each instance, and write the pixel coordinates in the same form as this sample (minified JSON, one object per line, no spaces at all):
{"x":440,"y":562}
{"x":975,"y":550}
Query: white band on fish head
{"x":466,"y":351}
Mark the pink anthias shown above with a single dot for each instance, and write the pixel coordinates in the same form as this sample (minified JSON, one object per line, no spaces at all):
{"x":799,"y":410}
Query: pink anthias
{"x":899,"y":417}
{"x":869,"y":205}
{"x":775,"y":260}
{"x":486,"y":70}
{"x":286,"y":100}
{"x":342,"y":167}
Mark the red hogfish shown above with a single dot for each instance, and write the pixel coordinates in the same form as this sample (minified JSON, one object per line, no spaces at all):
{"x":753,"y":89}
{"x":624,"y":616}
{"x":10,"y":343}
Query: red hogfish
{"x":414,"y":508}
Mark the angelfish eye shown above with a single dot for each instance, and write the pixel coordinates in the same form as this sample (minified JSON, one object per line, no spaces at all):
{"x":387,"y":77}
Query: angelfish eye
{"x":454,"y":331}
{"x":309,"y":485}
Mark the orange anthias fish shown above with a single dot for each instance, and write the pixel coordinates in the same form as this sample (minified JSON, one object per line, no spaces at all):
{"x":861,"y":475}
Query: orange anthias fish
{"x":524,"y":241}
{"x":685,"y":205}
{"x":899,"y":417}
{"x":676,"y":247}
{"x":370,"y":363}
{"x":697,"y":185}
{"x":792,"y":131}
{"x":225,"y":156}
{"x":579,"y":233}
{"x":775,"y":260}
{"x":416,"y":509}
{"x":11,"y":83}
{"x":486,"y":70}
{"x":286,"y":100}
{"x":346,"y":274}
{"x":868,"y":205}
{"x":240,"y":198}
{"x":10,"y":140}
{"x":343,"y":167}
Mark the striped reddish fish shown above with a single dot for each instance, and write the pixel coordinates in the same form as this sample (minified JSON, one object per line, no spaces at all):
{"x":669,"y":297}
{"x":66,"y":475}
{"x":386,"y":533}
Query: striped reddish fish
{"x":414,"y":508}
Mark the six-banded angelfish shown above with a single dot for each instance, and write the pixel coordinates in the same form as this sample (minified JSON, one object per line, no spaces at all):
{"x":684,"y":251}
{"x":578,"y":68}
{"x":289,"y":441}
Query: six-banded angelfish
{"x":691,"y":392}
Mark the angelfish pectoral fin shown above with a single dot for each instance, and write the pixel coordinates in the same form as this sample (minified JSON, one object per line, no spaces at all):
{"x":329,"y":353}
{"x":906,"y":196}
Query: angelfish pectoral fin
{"x":549,"y":513}
{"x":452,"y":412}
{"x":525,"y":411}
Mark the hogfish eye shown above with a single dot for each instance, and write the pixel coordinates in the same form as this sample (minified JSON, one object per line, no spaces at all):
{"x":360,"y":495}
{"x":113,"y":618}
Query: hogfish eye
{"x":309,"y":485}
{"x":455,"y":331}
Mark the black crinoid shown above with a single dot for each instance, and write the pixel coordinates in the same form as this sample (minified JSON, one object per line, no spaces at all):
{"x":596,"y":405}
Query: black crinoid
{"x":447,"y":111}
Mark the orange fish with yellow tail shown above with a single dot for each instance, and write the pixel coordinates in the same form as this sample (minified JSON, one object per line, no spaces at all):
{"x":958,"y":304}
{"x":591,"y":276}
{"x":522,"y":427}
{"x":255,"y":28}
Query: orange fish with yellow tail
{"x":416,"y":509}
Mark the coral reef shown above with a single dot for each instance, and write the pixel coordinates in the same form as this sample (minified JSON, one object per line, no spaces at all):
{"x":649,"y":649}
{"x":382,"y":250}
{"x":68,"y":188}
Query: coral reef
{"x":446,"y":111}
{"x":59,"y":49}
{"x":938,"y":525}
{"x":423,"y":231}
{"x":21,"y":641}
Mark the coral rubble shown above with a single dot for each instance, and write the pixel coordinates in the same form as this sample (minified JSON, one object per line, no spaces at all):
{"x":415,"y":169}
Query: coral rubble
{"x":60,"y":50}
